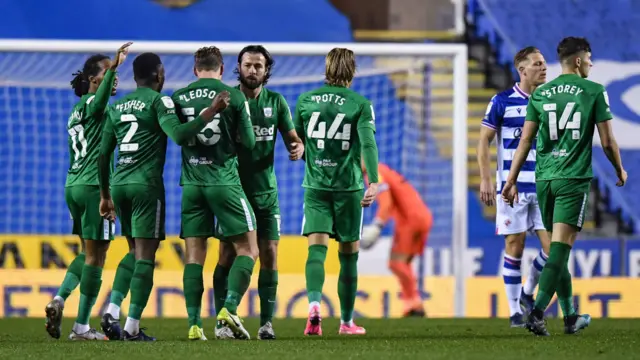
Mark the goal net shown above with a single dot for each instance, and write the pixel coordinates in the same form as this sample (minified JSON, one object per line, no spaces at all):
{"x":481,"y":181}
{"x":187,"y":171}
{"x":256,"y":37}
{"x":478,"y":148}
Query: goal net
{"x":418,"y":93}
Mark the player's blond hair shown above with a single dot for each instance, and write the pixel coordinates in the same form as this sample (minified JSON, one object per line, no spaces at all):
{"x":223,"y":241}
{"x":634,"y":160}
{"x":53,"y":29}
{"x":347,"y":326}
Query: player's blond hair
{"x":523,"y":55}
{"x":340,"y":67}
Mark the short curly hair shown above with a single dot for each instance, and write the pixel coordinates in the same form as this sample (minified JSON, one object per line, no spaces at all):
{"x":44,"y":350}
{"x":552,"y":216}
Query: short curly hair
{"x":208,"y":59}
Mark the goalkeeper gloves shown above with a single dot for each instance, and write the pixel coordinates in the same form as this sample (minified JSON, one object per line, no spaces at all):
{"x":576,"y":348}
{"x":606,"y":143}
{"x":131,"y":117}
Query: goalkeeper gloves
{"x":371,"y":234}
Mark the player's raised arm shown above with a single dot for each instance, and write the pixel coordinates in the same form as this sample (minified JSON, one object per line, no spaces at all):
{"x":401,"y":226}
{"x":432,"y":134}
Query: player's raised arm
{"x":245,"y":127}
{"x":603,"y":115}
{"x":289,"y":134}
{"x":487,"y":134}
{"x":529,"y":131}
{"x":105,"y":90}
{"x":181,"y":133}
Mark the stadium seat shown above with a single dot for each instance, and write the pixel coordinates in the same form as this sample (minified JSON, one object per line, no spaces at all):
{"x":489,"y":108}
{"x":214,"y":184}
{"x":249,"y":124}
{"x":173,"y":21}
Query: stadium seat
{"x":286,"y":20}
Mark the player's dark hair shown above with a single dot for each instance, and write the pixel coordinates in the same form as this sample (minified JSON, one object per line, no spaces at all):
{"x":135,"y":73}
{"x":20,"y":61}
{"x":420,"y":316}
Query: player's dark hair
{"x":571,"y":46}
{"x":523,"y":54}
{"x":145,"y":67}
{"x":340,"y":67}
{"x":258,"y":49}
{"x":80,"y":82}
{"x":208,"y":59}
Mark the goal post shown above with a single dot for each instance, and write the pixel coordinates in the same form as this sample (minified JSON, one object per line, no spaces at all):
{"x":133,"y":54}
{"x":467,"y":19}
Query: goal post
{"x":399,"y":79}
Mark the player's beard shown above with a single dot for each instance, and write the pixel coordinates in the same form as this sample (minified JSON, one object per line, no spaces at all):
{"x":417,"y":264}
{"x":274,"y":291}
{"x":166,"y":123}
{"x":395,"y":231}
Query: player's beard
{"x":252,"y":83}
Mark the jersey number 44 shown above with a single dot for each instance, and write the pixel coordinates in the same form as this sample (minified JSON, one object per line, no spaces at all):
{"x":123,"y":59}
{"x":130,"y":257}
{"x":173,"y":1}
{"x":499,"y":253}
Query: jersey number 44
{"x":334,"y":133}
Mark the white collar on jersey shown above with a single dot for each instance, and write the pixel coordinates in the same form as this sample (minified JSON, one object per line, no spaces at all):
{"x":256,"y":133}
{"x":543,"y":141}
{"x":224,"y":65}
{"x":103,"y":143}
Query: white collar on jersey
{"x":516,"y":87}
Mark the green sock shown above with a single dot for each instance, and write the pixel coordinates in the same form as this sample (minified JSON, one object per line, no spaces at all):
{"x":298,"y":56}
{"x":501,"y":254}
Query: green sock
{"x":89,"y":289}
{"x":193,"y":289}
{"x":347,"y":284}
{"x":220,"y":279}
{"x":564,"y":291}
{"x":72,"y":277}
{"x":141,"y":285}
{"x":267,"y":288}
{"x":122,"y":281}
{"x":239,"y":280}
{"x":550,"y":276}
{"x":314,"y":272}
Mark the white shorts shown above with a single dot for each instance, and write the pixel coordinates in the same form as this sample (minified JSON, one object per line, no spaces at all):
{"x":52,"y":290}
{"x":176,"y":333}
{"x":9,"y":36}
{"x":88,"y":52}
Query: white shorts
{"x":522,"y":217}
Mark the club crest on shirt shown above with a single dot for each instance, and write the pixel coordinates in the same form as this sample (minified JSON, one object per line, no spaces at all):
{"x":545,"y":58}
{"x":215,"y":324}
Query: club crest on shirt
{"x":176,"y":4}
{"x":268,"y":112}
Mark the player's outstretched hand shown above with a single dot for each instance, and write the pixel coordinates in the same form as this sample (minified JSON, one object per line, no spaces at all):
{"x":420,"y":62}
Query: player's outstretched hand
{"x":220,"y":102}
{"x":622,"y":177}
{"x":121,"y":55}
{"x":107,"y":209}
{"x":487,"y":192}
{"x":510,"y":193}
{"x":369,"y":195}
{"x":297,"y":149}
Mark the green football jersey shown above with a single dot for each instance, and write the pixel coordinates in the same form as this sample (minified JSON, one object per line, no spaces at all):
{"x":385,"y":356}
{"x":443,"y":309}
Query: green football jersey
{"x":566,"y":110}
{"x":329,"y":118}
{"x":85,"y":131}
{"x":141,"y":143}
{"x":269,"y":114}
{"x":210,"y":158}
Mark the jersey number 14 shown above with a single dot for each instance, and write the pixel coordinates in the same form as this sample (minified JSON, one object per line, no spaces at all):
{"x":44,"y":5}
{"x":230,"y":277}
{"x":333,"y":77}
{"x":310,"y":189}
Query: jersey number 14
{"x":321,"y":133}
{"x":564,"y":123}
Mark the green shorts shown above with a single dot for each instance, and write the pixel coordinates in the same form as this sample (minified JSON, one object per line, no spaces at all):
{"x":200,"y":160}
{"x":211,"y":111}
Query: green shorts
{"x":228,"y":204}
{"x":141,"y":210}
{"x":84,"y":205}
{"x":337,"y":213}
{"x":563,"y":201}
{"x":267,"y":211}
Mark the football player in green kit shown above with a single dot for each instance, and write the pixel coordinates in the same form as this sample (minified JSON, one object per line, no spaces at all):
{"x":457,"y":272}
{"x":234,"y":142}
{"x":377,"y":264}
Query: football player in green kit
{"x":211,"y":187}
{"x":270,"y":114}
{"x":139,"y":124}
{"x":564,"y":114}
{"x":338,"y":128}
{"x":95,"y":84}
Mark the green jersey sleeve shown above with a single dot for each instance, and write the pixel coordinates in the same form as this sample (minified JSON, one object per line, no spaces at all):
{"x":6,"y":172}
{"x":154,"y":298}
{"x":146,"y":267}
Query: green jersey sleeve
{"x":107,"y":146}
{"x":367,"y":117}
{"x":532,"y":113}
{"x":297,"y":120}
{"x":601,"y":109}
{"x":245,"y":127}
{"x":285,"y":123}
{"x":98,"y":103}
{"x":366,"y":132}
{"x":170,"y":123}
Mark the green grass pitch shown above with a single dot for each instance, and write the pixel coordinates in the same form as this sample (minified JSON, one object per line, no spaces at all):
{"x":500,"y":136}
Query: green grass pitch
{"x":388,"y":339}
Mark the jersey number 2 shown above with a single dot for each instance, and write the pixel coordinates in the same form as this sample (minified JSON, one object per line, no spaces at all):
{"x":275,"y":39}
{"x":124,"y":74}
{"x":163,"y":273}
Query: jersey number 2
{"x":321,"y":133}
{"x":213,"y":126}
{"x":554,"y":126}
{"x":126,"y":145}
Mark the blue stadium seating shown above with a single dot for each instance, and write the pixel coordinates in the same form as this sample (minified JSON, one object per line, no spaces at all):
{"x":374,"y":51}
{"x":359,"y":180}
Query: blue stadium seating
{"x":611,"y":27}
{"x":205,"y":20}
